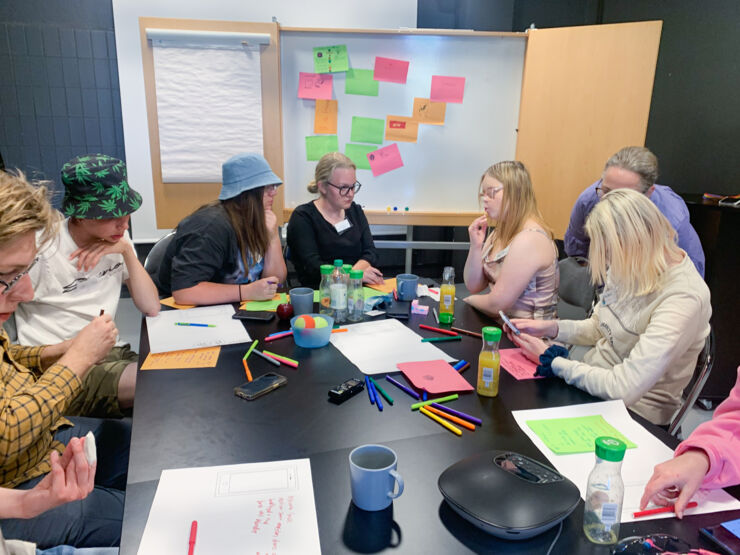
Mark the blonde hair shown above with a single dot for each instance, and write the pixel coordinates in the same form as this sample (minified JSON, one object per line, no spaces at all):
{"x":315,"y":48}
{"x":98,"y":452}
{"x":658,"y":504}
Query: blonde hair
{"x":25,"y":207}
{"x":632,"y":240}
{"x":518,"y":203}
{"x":326,"y":166}
{"x":639,"y":160}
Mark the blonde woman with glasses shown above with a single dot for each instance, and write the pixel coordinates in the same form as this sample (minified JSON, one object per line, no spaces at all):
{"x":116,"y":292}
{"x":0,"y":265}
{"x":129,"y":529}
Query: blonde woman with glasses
{"x":518,"y":260}
{"x":650,"y":322}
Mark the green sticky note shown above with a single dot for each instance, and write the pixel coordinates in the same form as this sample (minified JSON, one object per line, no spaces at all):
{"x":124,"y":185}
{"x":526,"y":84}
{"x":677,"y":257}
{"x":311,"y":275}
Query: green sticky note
{"x":358,"y":154}
{"x":316,"y":147}
{"x":360,"y":81}
{"x":315,"y":295}
{"x":268,"y":306}
{"x":367,"y":130}
{"x":330,"y":59}
{"x":565,"y":436}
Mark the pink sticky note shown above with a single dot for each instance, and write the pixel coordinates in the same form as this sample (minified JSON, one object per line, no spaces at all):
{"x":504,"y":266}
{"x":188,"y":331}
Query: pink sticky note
{"x":385,"y":159}
{"x":434,"y":376}
{"x":447,"y":89}
{"x":516,"y":364}
{"x":315,"y":85}
{"x":388,"y":69}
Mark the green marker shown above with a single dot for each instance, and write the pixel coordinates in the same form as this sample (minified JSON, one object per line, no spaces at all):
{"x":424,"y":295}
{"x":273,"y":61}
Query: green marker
{"x":382,"y":391}
{"x":438,"y":339}
{"x":430,"y":401}
{"x":249,"y":352}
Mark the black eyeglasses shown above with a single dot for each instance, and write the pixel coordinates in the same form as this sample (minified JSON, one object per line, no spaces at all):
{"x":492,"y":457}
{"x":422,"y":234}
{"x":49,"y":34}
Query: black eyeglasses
{"x":654,"y":543}
{"x":9,"y":284}
{"x":344,"y":190}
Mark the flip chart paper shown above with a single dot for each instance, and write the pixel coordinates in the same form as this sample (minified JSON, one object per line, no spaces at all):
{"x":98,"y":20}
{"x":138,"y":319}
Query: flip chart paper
{"x":516,"y":364}
{"x":367,"y":130}
{"x":388,"y":69}
{"x":575,"y":435}
{"x":428,"y":112}
{"x":360,"y":81}
{"x":317,"y":146}
{"x":325,"y":117}
{"x":358,"y":154}
{"x":315,"y":86}
{"x":434,"y":376}
{"x":385,"y":159}
{"x":194,"y":358}
{"x":447,"y":89}
{"x":400,"y":128}
{"x":330,"y":59}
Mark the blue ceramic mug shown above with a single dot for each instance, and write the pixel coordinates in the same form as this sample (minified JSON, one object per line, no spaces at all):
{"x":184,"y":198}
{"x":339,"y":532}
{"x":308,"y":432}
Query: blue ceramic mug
{"x":373,"y":477}
{"x":406,"y":285}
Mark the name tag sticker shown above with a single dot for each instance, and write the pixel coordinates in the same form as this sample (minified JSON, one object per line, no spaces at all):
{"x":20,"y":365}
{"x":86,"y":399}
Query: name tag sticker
{"x":342,"y":226}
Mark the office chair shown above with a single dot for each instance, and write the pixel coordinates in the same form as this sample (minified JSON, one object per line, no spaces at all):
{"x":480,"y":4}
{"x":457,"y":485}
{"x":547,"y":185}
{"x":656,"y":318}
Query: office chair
{"x":155,"y":256}
{"x":691,"y":392}
{"x":576,"y":293}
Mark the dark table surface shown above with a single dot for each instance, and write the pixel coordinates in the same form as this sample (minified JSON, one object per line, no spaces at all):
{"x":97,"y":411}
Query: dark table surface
{"x":191,"y":418}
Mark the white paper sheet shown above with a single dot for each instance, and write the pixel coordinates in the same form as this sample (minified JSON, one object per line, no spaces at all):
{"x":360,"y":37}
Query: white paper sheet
{"x":376,"y":347}
{"x":209,"y":107}
{"x":245,"y":508}
{"x":638,"y":463}
{"x":165,"y":335}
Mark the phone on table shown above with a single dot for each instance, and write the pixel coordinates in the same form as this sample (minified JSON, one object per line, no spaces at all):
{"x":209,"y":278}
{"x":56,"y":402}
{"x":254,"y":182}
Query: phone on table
{"x":725,"y":536}
{"x":260,"y":386}
{"x":506,"y":320}
{"x":261,"y":316}
{"x":398,"y":309}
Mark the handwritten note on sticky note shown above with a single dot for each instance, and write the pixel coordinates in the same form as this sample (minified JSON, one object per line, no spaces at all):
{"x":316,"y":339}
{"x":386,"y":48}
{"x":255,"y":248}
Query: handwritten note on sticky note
{"x":447,"y":89}
{"x":434,"y":376}
{"x":330,"y":59}
{"x":385,"y":159}
{"x":388,"y":69}
{"x":565,"y":436}
{"x":325,"y":117}
{"x":516,"y":364}
{"x":314,"y":86}
{"x":358,"y":154}
{"x":428,"y":112}
{"x":360,"y":81}
{"x":206,"y":357}
{"x":316,"y":147}
{"x":400,"y":128}
{"x":367,"y":130}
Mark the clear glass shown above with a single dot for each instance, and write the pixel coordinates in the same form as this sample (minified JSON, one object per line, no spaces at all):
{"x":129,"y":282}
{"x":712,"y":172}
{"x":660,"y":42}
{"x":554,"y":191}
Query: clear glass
{"x":447,"y":296}
{"x":604,"y":496}
{"x":338,"y":294}
{"x":488,"y":369}
{"x":325,"y":296}
{"x":356,"y":300}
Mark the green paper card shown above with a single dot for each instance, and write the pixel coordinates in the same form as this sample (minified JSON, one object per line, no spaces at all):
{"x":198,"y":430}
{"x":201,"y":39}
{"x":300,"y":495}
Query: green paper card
{"x":316,"y":147}
{"x":367,"y":130}
{"x":360,"y":81}
{"x":566,"y":436}
{"x":330,"y":59}
{"x":358,"y":154}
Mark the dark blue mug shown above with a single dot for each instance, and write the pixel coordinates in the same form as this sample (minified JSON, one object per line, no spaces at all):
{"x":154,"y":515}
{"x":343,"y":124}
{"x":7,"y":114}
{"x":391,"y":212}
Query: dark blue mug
{"x":406,"y":285}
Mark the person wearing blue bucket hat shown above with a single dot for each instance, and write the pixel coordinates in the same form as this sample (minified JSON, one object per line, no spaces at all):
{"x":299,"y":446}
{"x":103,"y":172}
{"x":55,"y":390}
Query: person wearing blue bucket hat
{"x":228,"y":250}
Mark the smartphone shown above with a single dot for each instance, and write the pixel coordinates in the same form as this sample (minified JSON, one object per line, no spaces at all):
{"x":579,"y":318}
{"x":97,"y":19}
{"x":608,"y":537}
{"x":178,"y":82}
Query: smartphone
{"x":398,"y":309}
{"x":506,"y":320}
{"x":724,"y":536}
{"x":261,"y":316}
{"x":260,"y":386}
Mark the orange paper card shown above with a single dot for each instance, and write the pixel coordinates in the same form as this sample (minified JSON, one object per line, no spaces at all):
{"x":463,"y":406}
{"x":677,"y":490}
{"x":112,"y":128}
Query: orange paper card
{"x":434,"y":376}
{"x":401,"y":128}
{"x":192,"y":358}
{"x":431,"y":113}
{"x":325,"y":117}
{"x":388,"y":286}
{"x":516,"y":364}
{"x":170,"y":301}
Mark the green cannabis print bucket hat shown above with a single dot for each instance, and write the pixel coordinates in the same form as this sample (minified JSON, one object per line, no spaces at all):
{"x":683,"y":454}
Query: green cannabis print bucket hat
{"x":96,"y":187}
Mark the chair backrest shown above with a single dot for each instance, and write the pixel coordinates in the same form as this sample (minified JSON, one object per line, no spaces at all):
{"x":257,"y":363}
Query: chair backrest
{"x":691,"y":393}
{"x":155,"y":256}
{"x":576,"y":293}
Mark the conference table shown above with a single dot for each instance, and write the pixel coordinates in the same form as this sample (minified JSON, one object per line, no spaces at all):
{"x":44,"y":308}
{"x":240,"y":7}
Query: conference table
{"x":191,"y":418}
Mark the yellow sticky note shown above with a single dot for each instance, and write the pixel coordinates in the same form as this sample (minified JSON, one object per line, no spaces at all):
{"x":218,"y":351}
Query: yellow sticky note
{"x":388,"y":286}
{"x":431,"y":113}
{"x":170,"y":301}
{"x":401,"y":128}
{"x":325,"y":117}
{"x":192,"y":358}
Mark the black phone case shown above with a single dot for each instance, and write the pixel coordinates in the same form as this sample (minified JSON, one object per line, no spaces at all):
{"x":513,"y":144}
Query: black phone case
{"x":399,"y":309}
{"x":256,"y":316}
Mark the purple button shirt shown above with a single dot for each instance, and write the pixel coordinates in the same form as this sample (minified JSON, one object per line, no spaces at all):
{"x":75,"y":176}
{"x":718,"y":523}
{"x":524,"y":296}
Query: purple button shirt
{"x":669,"y":203}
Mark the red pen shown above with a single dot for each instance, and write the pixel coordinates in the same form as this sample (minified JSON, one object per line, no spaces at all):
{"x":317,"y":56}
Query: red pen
{"x":193,"y":533}
{"x":659,"y":510}
{"x":438,"y":330}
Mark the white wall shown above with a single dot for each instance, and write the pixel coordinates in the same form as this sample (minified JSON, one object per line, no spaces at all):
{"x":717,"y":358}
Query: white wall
{"x":293,"y":13}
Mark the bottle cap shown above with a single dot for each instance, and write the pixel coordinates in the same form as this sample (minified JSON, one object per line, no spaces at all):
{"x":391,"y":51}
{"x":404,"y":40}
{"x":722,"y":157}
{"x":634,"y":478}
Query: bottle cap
{"x":446,"y":318}
{"x":491,"y":333}
{"x":610,"y":448}
{"x":448,"y":273}
{"x":346,"y":268}
{"x":326,"y":269}
{"x":355,"y":274}
{"x":338,"y":262}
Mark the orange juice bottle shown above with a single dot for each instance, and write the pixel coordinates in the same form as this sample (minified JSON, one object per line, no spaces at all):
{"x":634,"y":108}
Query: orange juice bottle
{"x":447,"y":296}
{"x":488,"y":362}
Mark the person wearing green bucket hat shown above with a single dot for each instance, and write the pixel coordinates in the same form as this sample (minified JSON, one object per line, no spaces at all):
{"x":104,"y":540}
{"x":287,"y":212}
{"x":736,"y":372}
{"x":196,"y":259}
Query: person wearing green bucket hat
{"x":81,"y":274}
{"x":228,"y":250}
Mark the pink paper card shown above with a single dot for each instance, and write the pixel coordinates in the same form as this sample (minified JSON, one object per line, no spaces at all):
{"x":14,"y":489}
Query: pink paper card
{"x":434,"y":376}
{"x":385,"y":159}
{"x":516,"y":364}
{"x":447,"y":89}
{"x":388,"y":69}
{"x":315,"y":85}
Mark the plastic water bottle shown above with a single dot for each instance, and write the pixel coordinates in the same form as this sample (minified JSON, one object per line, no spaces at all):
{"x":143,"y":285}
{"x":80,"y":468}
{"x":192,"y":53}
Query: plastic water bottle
{"x":605,"y":492}
{"x":355,"y":296}
{"x":324,"y":291}
{"x":338,"y":293}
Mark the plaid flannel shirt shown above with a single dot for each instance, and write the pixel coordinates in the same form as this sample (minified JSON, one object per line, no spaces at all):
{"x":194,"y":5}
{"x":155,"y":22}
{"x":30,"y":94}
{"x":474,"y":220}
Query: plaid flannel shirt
{"x":33,"y":401}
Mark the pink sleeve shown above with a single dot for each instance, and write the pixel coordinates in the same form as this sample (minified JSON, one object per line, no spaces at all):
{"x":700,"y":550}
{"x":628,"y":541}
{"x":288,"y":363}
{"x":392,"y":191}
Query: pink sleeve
{"x":720,"y":439}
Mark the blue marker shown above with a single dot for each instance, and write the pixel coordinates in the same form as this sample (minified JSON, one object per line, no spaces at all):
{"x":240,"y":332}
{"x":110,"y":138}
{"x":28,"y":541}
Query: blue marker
{"x":191,"y":324}
{"x":378,"y":403}
{"x":424,"y":395}
{"x":370,"y":392}
{"x":460,"y":365}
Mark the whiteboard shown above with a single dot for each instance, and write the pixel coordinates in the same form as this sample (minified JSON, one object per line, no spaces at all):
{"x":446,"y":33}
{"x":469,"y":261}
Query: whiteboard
{"x":442,"y":170}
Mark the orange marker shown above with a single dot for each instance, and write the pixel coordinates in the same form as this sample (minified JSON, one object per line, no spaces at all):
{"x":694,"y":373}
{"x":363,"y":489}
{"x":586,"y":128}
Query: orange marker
{"x":246,"y":370}
{"x":339,"y":330}
{"x":451,"y":418}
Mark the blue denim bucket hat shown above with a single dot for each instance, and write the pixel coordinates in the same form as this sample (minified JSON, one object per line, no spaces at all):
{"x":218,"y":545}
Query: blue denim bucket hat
{"x":243,"y":172}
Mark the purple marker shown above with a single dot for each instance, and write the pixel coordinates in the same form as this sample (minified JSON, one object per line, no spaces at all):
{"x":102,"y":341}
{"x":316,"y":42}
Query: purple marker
{"x":454,"y":412}
{"x":403,"y":388}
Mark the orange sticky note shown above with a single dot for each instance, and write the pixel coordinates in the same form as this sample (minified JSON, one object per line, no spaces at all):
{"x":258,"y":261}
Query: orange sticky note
{"x":388,"y":286}
{"x":431,"y":113}
{"x":170,"y":301}
{"x":400,"y":128}
{"x":192,"y":358}
{"x":325,"y":117}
